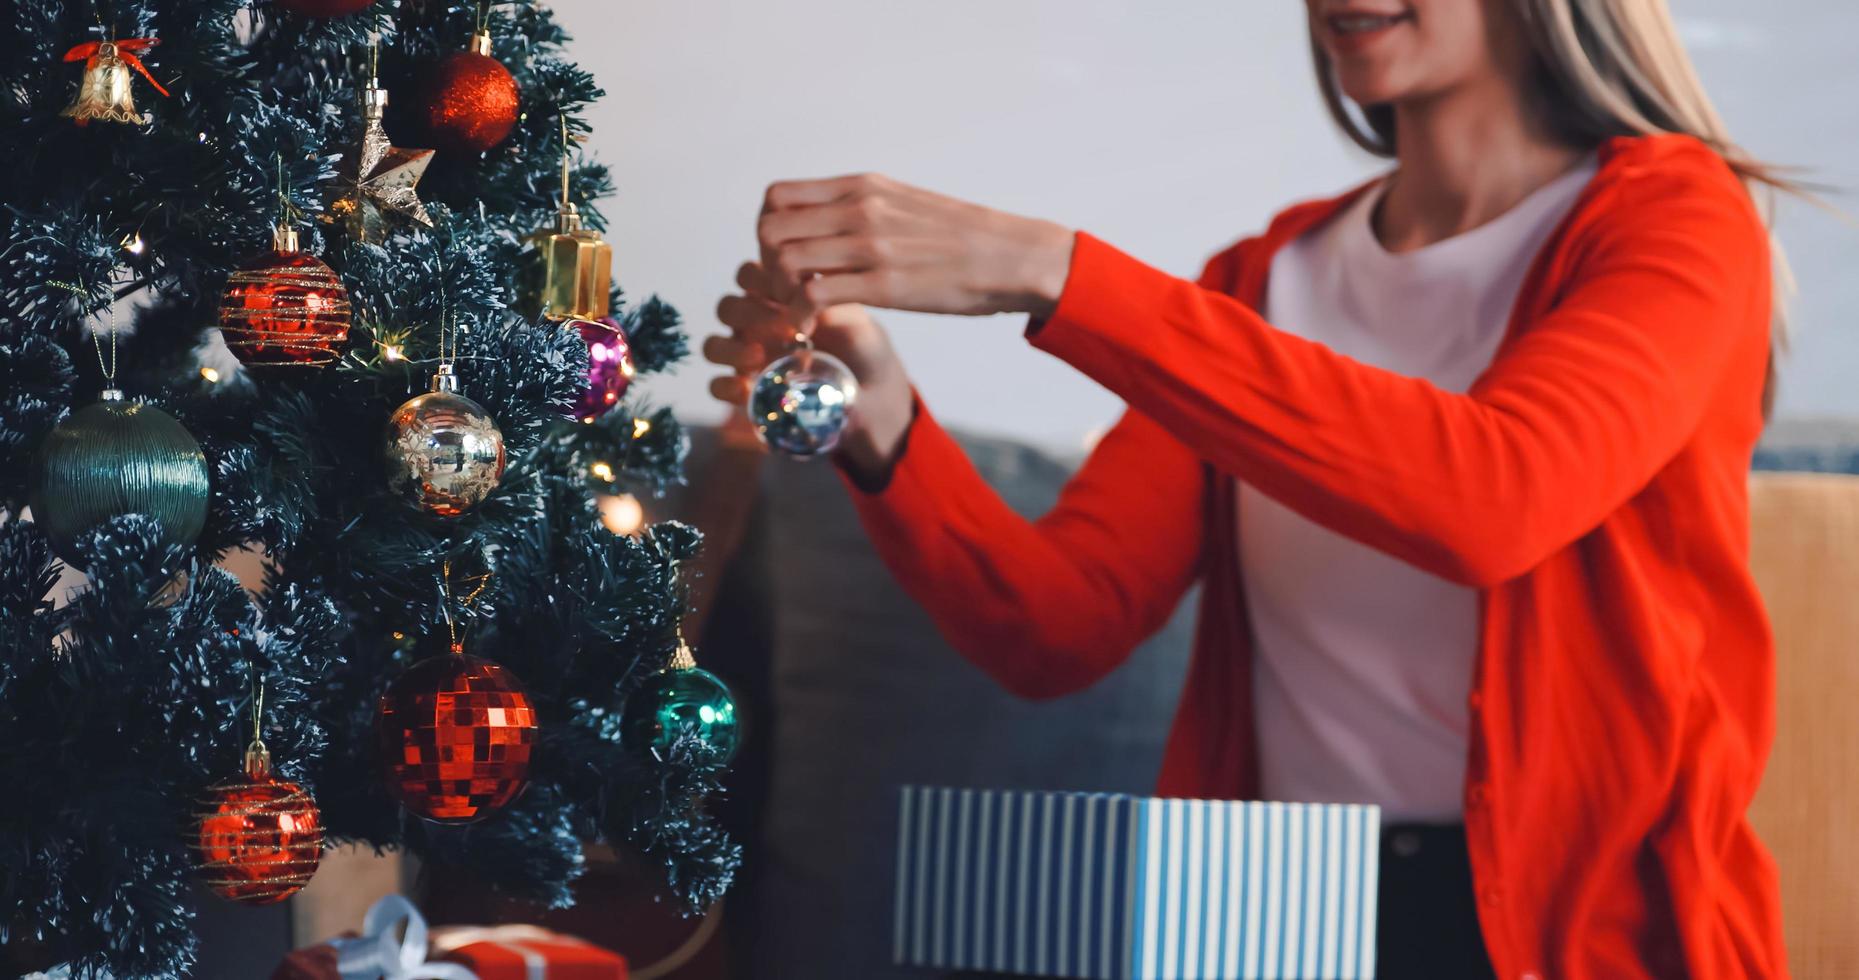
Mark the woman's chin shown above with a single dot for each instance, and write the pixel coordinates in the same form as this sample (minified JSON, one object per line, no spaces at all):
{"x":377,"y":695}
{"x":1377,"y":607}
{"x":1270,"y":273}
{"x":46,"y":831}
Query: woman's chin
{"x":1377,"y":90}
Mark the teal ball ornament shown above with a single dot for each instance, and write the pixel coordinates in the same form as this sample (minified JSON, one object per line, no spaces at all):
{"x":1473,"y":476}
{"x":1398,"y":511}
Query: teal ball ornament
{"x":678,"y":702}
{"x":118,"y":457}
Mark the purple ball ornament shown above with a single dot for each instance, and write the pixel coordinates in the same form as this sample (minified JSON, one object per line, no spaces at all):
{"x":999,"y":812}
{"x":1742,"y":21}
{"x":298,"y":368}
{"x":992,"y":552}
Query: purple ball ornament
{"x":609,"y":367}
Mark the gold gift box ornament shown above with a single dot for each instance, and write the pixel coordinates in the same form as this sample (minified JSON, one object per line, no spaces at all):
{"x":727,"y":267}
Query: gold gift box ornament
{"x":579,"y":276}
{"x":580,"y":268}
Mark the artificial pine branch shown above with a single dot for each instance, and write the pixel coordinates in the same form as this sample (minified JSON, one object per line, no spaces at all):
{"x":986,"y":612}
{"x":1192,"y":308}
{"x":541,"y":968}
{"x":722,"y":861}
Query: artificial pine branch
{"x":118,"y":702}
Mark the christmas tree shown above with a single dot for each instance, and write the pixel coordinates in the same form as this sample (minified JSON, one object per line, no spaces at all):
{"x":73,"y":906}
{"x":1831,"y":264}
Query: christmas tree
{"x":182,"y":166}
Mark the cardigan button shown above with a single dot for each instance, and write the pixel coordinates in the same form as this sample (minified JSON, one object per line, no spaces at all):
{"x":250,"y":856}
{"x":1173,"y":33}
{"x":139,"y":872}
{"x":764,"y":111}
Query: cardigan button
{"x":1530,"y":975}
{"x":1475,"y":700}
{"x":1492,"y":898}
{"x":1477,"y":795}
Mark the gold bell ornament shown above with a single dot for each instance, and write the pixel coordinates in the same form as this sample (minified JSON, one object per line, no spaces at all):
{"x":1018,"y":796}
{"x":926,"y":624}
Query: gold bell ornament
{"x":579,"y":273}
{"x":107,"y":90}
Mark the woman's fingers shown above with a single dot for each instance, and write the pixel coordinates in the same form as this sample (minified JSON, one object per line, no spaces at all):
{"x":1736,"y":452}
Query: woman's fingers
{"x":848,"y":316}
{"x":730,"y":388}
{"x":786,"y":194}
{"x":775,"y":228}
{"x":809,"y":226}
{"x":757,"y":321}
{"x":745,"y":357}
{"x":869,"y":239}
{"x":795,"y":261}
{"x":753,"y":279}
{"x":872,"y":288}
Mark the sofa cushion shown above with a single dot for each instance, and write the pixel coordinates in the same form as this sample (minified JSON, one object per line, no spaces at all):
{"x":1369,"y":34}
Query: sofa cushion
{"x":868,"y":698}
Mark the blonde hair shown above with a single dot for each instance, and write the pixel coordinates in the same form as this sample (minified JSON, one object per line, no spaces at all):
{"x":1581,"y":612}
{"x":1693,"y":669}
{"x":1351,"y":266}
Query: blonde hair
{"x":1606,"y":68}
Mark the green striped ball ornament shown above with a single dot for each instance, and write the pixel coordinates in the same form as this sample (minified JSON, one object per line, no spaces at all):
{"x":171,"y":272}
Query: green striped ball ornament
{"x":118,"y":457}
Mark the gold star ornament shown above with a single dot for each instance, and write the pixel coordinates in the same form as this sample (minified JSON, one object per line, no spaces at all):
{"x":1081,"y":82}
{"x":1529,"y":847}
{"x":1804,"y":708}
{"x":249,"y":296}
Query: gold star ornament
{"x":380,"y":181}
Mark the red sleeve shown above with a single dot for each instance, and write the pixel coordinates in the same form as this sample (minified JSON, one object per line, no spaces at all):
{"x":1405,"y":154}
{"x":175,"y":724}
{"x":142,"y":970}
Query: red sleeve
{"x":1050,"y":606}
{"x":1574,"y":417}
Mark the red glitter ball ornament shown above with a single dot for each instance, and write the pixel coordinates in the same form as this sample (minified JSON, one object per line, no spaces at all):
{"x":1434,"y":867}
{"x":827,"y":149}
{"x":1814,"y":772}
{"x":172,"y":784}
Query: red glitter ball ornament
{"x":325,"y":8}
{"x":468,"y":103}
{"x":258,"y":839}
{"x":609,"y":367}
{"x":284,"y":307}
{"x":456,"y":734}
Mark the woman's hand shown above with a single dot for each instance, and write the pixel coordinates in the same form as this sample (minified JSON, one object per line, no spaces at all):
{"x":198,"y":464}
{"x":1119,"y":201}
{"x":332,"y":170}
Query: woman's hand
{"x":762,"y":329}
{"x":869,"y":239}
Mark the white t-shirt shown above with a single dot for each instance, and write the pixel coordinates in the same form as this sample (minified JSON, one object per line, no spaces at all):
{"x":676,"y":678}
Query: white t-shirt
{"x":1362,"y":663}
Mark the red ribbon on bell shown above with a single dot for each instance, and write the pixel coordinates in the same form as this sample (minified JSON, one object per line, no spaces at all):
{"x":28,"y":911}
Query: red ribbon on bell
{"x":105,"y":92}
{"x":92,"y":53}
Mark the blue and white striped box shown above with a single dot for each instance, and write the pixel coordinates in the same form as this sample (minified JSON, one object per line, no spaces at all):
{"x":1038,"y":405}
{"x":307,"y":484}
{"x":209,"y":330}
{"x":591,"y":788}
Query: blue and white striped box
{"x":1113,"y":887}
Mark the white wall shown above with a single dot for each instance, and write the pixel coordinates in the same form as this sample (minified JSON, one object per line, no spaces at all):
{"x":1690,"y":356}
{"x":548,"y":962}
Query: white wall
{"x":1169,"y":127}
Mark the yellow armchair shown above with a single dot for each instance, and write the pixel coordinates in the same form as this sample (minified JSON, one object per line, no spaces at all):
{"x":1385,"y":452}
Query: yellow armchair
{"x":1804,"y":548}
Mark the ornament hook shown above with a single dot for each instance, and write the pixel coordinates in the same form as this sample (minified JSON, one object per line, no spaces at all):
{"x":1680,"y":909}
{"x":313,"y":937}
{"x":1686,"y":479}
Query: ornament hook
{"x":481,"y":37}
{"x":110,"y":391}
{"x":284,"y":236}
{"x":445,"y":608}
{"x":567,"y":150}
{"x":445,"y":600}
{"x":682,"y":658}
{"x":373,"y":96}
{"x":257,"y":756}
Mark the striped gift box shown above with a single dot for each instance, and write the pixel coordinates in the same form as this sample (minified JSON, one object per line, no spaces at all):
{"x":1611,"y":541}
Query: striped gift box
{"x":1116,"y":887}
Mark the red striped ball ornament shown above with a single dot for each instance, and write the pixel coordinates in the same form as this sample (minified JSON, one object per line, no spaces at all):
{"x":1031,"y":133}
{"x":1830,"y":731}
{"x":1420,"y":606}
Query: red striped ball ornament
{"x":257,"y":839}
{"x":284,"y":308}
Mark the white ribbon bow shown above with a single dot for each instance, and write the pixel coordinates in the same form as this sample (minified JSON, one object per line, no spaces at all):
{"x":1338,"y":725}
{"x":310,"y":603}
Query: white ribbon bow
{"x":377,"y":955}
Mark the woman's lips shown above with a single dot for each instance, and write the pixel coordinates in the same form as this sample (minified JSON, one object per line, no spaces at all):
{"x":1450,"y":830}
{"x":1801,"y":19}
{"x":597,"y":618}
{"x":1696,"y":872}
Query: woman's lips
{"x":1350,"y":33}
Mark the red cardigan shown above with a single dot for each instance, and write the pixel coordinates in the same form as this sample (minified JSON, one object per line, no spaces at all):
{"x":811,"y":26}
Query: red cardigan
{"x":1592,"y":485}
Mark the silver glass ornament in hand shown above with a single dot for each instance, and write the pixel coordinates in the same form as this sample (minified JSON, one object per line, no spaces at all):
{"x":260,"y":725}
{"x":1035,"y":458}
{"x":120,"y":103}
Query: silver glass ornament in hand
{"x":801,"y":404}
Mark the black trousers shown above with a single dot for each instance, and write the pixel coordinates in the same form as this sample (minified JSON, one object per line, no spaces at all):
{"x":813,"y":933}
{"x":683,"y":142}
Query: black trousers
{"x":1427,"y":915}
{"x":1426,"y":912}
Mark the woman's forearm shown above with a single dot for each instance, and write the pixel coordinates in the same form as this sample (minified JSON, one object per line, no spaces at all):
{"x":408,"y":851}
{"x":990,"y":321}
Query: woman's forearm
{"x":1568,"y":423}
{"x":1049,"y":606}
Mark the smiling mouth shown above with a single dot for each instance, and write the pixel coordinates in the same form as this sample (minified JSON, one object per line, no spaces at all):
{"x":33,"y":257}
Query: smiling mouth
{"x":1352,"y":25}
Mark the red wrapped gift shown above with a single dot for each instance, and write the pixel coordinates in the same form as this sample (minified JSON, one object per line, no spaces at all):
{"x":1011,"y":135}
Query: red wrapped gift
{"x":519,"y":952}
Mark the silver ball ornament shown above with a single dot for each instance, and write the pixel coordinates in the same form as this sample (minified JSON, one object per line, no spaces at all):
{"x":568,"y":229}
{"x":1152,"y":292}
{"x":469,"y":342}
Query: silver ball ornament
{"x":801,"y":403}
{"x":118,"y":457}
{"x":444,"y":451}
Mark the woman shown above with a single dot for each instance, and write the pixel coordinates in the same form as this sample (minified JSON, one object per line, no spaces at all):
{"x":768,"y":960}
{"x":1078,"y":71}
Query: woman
{"x":1459,"y":458}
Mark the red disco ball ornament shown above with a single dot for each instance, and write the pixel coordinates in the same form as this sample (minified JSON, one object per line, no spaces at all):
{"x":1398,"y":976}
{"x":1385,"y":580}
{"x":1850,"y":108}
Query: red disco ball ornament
{"x":609,"y":367}
{"x":325,"y":8}
{"x":257,"y":840}
{"x":468,"y":102}
{"x":284,"y":308}
{"x":456,"y":734}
